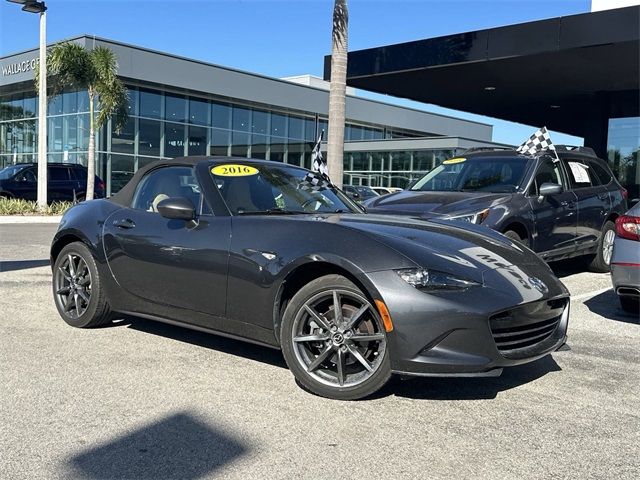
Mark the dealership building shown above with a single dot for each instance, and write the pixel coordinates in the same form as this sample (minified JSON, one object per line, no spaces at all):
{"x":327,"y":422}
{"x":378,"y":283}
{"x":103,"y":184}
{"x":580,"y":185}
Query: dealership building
{"x":180,"y":106}
{"x":576,"y":74}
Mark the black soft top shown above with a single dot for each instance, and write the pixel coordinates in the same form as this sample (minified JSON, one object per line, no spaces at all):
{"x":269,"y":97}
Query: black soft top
{"x":125,"y":196}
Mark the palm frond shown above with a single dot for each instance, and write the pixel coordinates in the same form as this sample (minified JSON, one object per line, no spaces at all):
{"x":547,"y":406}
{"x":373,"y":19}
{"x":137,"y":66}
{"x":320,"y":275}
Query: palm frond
{"x":113,"y":100}
{"x":68,"y":66}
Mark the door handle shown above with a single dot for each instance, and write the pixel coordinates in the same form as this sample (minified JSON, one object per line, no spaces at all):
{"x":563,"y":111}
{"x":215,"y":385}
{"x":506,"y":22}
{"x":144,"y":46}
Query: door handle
{"x":603,"y":196}
{"x":125,"y":223}
{"x":568,"y":204}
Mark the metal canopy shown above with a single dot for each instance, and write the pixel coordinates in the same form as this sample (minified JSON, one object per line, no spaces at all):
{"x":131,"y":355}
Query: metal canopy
{"x":566,"y":73}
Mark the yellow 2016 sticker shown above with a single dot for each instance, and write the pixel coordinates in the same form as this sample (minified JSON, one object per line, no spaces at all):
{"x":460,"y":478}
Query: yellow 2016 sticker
{"x":454,"y":160}
{"x":234,"y":170}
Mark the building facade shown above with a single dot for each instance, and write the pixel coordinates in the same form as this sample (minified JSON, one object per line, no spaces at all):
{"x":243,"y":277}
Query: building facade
{"x":179,"y":106}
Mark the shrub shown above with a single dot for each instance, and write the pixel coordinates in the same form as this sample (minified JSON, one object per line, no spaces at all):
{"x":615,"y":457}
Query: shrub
{"x":17,"y":206}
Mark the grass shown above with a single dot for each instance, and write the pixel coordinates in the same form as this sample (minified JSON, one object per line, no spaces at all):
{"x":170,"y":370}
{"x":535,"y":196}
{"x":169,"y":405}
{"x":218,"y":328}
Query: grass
{"x":16,"y":206}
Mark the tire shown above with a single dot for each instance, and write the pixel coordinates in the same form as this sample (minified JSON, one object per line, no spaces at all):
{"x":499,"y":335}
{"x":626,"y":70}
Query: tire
{"x":631,"y":305}
{"x":315,"y":361}
{"x":516,"y":237}
{"x":77,"y":291}
{"x":601,"y":261}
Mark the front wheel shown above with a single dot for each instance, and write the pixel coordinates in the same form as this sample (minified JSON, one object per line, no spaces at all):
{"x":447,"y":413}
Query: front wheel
{"x":77,"y":288}
{"x":333,"y":340}
{"x":601,"y":262}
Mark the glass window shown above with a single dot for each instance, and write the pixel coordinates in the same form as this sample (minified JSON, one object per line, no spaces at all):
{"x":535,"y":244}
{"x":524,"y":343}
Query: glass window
{"x":173,"y":140}
{"x":295,"y":153}
{"x":323,"y":124}
{"x":278,"y":125}
{"x":132,"y":107}
{"x":296,"y":127}
{"x":310,"y":129}
{"x":83,"y":101}
{"x":221,"y":115}
{"x":240,"y":119}
{"x":124,"y":142}
{"x":70,"y":133}
{"x":122,"y":168}
{"x":601,"y":172}
{"x":30,"y":107}
{"x":401,"y":161}
{"x":377,"y":161}
{"x":623,"y":152}
{"x":70,"y":102}
{"x":175,"y":108}
{"x":240,"y":144}
{"x":220,"y":141}
{"x":580,"y":175}
{"x":55,"y":106}
{"x":259,"y":145}
{"x":197,"y":141}
{"x":277,"y":149}
{"x":260,"y":122}
{"x":149,"y":137}
{"x":57,"y":174}
{"x":167,"y":182}
{"x":150,"y":104}
{"x":55,"y":134}
{"x":548,"y":172}
{"x":360,"y":161}
{"x":198,"y":112}
{"x":144,"y":161}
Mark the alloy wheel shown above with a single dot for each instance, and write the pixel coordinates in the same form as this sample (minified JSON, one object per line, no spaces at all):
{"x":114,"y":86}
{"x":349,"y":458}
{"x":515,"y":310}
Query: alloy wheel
{"x":338,"y":338}
{"x":607,"y":246}
{"x":73,"y":285}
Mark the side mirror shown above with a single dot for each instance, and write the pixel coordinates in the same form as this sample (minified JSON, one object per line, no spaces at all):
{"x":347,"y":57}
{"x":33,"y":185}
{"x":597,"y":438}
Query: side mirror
{"x":549,"y":189}
{"x":177,"y":208}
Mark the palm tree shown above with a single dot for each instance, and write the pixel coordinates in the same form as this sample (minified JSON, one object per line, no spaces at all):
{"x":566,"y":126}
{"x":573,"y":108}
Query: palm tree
{"x":72,"y":66}
{"x":337,"y":91}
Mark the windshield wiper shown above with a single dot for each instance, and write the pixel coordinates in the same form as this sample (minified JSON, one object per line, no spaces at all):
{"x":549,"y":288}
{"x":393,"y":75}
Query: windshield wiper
{"x":272,"y":211}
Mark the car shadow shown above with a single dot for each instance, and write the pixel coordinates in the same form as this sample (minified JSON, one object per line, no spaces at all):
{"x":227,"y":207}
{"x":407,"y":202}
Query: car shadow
{"x":469,"y":388}
{"x":607,"y":305}
{"x":231,"y":346}
{"x":13,"y":265}
{"x":571,"y":266}
{"x":179,"y":446}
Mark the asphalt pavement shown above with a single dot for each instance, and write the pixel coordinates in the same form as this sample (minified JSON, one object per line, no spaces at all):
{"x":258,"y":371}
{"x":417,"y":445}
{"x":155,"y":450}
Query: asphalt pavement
{"x":146,"y":400}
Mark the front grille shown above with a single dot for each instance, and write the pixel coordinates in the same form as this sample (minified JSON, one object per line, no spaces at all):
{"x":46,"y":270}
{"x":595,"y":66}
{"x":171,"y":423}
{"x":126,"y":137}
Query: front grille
{"x":517,"y":332}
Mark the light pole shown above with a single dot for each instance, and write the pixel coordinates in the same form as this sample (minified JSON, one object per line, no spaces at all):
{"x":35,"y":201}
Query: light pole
{"x":32,"y":6}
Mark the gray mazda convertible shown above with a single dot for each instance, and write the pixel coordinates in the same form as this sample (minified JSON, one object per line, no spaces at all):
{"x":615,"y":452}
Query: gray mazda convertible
{"x":274,"y":254}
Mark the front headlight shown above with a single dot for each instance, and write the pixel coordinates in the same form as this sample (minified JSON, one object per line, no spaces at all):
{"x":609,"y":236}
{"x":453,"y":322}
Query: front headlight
{"x":425,"y":279}
{"x":476,"y":218}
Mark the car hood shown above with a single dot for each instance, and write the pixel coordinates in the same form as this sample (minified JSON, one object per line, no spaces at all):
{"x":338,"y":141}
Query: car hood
{"x":435,"y":203}
{"x":445,"y":245}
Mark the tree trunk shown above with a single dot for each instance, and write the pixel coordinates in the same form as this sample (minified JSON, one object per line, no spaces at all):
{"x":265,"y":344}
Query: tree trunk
{"x":91,"y":162}
{"x":337,"y":92}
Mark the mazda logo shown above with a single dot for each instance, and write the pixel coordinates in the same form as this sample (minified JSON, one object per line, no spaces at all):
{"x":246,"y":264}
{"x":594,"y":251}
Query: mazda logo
{"x":538,"y":284}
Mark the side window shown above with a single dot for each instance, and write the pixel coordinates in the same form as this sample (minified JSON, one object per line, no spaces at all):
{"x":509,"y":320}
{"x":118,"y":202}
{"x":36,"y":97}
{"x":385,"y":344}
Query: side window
{"x":548,"y":172}
{"x":26,"y":175}
{"x":80,"y":174}
{"x":58,"y":174}
{"x":580,"y":174}
{"x":166,"y":182}
{"x":601,"y":172}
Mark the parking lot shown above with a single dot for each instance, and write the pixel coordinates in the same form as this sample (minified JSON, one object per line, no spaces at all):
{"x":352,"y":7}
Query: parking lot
{"x":146,"y":400}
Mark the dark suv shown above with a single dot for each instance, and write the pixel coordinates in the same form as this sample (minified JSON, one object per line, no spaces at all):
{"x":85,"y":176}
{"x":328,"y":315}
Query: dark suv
{"x":65,"y":182}
{"x":559,"y":209}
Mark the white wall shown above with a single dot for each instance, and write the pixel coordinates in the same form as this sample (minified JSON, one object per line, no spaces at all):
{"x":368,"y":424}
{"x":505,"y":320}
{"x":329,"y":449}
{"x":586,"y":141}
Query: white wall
{"x":597,"y":5}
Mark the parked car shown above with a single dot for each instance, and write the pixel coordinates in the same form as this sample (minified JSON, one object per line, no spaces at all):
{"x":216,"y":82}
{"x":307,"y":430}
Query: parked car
{"x":359,"y":193}
{"x":560,"y":209}
{"x":256,"y":250}
{"x":385,"y":190}
{"x":65,"y":182}
{"x":625,"y":261}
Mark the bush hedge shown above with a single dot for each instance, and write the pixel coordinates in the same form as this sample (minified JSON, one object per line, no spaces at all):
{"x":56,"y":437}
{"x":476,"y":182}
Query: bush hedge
{"x":17,"y":206}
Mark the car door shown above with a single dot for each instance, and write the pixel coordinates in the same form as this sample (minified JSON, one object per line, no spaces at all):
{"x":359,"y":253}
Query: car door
{"x":58,"y":186}
{"x":592,"y":200}
{"x":167,"y":261}
{"x":554,"y":216}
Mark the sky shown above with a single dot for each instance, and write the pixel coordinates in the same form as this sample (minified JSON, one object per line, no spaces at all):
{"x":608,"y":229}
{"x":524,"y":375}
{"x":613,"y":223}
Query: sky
{"x":279,"y":37}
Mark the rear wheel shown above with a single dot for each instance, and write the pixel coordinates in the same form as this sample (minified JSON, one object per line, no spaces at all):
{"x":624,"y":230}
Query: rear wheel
{"x":77,"y":288}
{"x":601,"y":262}
{"x":516,"y":237}
{"x":333,"y":340}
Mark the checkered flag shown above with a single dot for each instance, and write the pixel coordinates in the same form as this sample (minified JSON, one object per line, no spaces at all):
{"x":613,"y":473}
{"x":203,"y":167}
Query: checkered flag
{"x":537,"y":142}
{"x":318,"y":163}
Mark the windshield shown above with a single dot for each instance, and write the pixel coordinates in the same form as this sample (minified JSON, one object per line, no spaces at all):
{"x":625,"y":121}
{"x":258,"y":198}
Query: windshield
{"x":10,"y":171}
{"x":366,"y":192}
{"x":255,"y":188}
{"x":482,"y":174}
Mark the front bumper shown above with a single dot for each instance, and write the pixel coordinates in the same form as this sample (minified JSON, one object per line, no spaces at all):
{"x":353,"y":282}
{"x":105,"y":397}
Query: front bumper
{"x":478,"y":331}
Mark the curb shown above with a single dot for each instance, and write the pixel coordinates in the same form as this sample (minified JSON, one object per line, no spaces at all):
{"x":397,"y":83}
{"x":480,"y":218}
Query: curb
{"x":24,"y":219}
